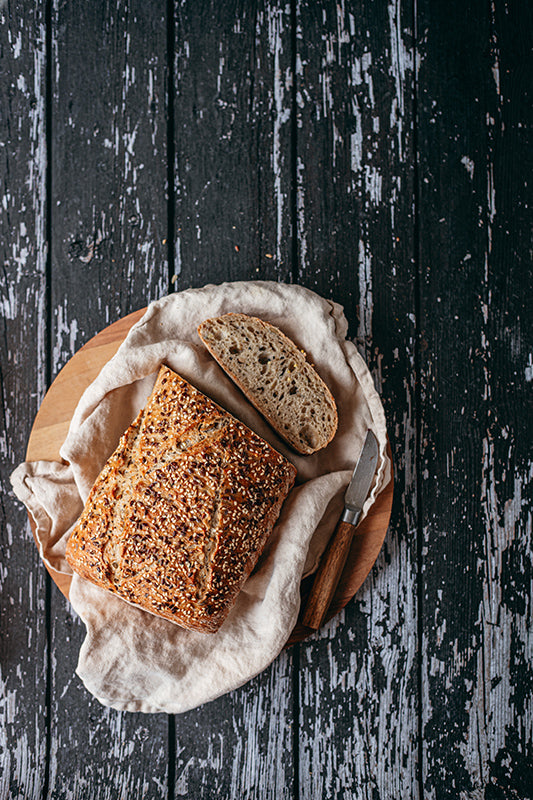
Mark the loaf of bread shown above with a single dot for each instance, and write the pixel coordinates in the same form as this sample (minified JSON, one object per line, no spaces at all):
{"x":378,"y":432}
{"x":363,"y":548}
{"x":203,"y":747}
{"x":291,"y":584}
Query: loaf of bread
{"x":182,"y":509}
{"x":275,"y":376}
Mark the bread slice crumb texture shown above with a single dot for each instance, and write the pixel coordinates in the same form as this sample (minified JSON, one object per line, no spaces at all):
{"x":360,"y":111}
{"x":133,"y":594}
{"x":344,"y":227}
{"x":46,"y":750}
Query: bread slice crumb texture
{"x":275,"y":376}
{"x":182,"y":509}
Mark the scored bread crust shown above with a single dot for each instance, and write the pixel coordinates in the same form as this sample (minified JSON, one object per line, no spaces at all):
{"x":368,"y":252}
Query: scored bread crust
{"x":182,"y":509}
{"x":275,"y":376}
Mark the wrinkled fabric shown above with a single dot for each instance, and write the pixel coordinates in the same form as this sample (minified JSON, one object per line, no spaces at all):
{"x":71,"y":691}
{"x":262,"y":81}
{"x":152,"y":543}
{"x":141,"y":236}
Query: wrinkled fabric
{"x":130,"y":659}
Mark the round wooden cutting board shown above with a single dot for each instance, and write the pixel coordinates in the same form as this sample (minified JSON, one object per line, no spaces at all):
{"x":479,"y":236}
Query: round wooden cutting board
{"x":51,"y":426}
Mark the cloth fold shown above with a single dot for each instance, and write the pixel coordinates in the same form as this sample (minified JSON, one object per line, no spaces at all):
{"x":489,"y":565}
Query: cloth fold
{"x":130,"y":659}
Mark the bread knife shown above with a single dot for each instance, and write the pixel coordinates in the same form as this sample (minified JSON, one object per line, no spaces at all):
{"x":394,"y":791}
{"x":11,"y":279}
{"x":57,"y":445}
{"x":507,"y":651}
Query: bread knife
{"x":336,"y":553}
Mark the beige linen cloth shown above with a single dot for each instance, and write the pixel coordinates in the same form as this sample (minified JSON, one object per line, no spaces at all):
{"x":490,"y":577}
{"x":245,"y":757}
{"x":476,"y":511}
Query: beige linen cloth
{"x":130,"y":659}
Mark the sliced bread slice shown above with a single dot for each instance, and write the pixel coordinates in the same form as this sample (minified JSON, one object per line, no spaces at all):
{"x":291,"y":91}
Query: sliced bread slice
{"x":275,"y":376}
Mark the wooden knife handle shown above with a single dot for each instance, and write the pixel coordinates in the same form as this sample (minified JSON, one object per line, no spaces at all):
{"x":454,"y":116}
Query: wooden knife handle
{"x":328,"y":575}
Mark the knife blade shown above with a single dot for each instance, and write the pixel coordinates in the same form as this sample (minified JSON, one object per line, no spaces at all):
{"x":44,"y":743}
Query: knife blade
{"x":361,"y":480}
{"x":334,"y":558}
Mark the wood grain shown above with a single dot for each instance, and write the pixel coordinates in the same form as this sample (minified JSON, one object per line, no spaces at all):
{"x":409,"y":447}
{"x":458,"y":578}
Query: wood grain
{"x":233,"y":158}
{"x":24,"y":716}
{"x":358,"y":717}
{"x":109,"y":222}
{"x":476,"y":611}
{"x":328,"y":575}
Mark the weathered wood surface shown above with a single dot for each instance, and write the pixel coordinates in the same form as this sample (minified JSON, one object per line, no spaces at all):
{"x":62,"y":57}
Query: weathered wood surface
{"x":302,"y":142}
{"x":358,"y":700}
{"x":232,"y":135}
{"x":475,"y":402}
{"x":108,"y":224}
{"x":24,"y":673}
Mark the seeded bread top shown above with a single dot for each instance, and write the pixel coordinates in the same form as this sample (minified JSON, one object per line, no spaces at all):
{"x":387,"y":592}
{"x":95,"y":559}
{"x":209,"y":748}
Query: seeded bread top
{"x":182,"y":509}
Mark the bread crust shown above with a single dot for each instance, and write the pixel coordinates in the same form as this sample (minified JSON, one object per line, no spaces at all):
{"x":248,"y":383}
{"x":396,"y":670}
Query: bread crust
{"x":306,"y":434}
{"x":182,"y":509}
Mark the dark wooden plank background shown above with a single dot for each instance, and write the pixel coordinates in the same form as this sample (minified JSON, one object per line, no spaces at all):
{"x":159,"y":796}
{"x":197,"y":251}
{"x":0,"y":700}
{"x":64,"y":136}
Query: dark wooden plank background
{"x":379,"y":153}
{"x":108,"y":222}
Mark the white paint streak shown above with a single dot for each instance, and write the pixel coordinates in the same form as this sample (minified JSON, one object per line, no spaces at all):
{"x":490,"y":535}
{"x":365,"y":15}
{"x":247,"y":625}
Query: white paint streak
{"x":282,"y":115}
{"x":529,"y":368}
{"x":491,"y":197}
{"x":496,"y":74}
{"x":17,"y":46}
{"x":492,"y":710}
{"x":364,"y":331}
{"x":300,"y":214}
{"x":37,"y":185}
{"x":221,"y":64}
{"x":496,"y":54}
{"x":177,"y":258}
{"x":373,"y":184}
{"x":8,"y":301}
{"x":366,"y":64}
{"x":387,"y":608}
{"x":343,"y":36}
{"x":468,"y":165}
{"x":356,"y":139}
{"x":401,"y":62}
{"x":66,"y":335}
{"x":261,"y":718}
{"x":491,"y":193}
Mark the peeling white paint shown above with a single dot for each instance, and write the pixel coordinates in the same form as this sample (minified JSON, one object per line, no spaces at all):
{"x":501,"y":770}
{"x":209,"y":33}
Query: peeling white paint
{"x":9,"y":308}
{"x":300,"y":214}
{"x":492,"y":708}
{"x":366,"y":64}
{"x":401,"y":64}
{"x":389,"y":607}
{"x":356,"y":139}
{"x":21,"y":84}
{"x":373,"y":184}
{"x":468,"y":165}
{"x":495,"y":53}
{"x":65,"y":335}
{"x":491,"y":194}
{"x":364,"y":331}
{"x":282,"y":83}
{"x":37,"y":186}
{"x":529,"y":368}
{"x":177,"y":257}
